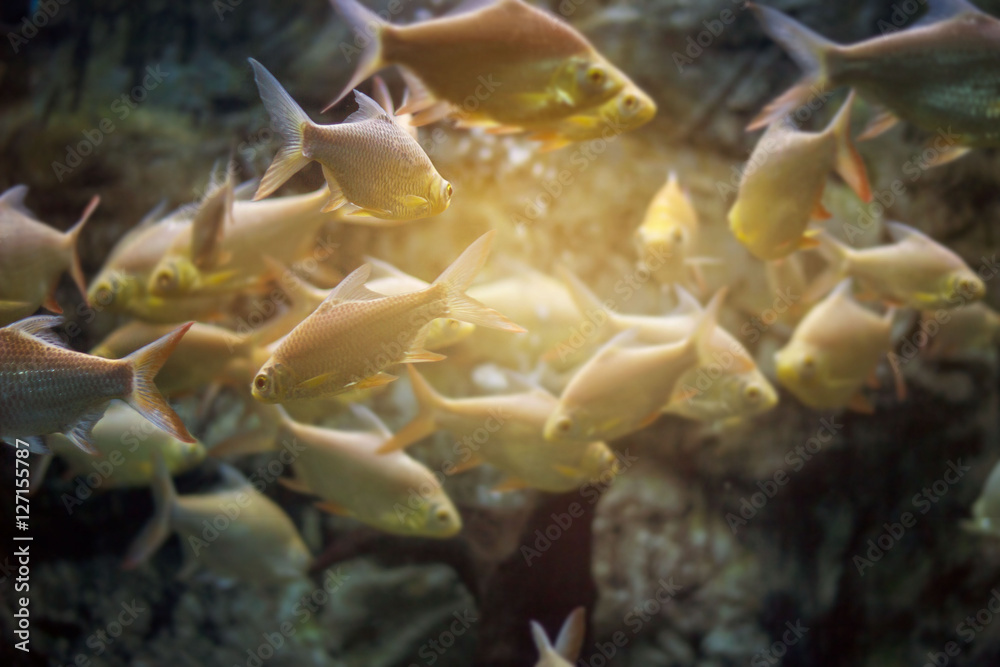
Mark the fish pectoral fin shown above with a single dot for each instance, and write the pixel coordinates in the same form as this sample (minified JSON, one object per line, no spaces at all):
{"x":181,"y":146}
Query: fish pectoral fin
{"x":51,"y":304}
{"x":860,"y":403}
{"x":331,"y":507}
{"x":414,"y":201}
{"x":510,"y":484}
{"x":296,"y":485}
{"x":504,"y":129}
{"x":432,"y":114}
{"x":550,"y":141}
{"x":568,"y":471}
{"x":420,"y":356}
{"x":948,"y":155}
{"x":377,"y":380}
{"x":219,"y":278}
{"x":317,"y":382}
{"x":474,"y":462}
{"x":882,"y":122}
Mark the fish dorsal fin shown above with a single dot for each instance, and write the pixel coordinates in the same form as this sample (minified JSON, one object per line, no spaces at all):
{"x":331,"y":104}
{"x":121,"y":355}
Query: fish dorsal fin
{"x":417,"y":97}
{"x":942,"y":10}
{"x":365,"y":414}
{"x":40,"y":327}
{"x":899,"y":233}
{"x":13,"y":198}
{"x":571,"y":634}
{"x":469,"y":6}
{"x":389,"y":270}
{"x":368,"y":109}
{"x":352,"y":288}
{"x":214,"y":214}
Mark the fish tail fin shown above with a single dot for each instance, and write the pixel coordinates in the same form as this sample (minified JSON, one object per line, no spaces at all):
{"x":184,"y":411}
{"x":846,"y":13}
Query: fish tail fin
{"x":290,"y":121}
{"x":571,"y":634}
{"x":809,"y":50}
{"x":705,"y":325}
{"x":848,"y":163}
{"x":71,"y":237}
{"x":428,"y":401}
{"x":542,"y":642}
{"x":365,"y":21}
{"x":457,"y":278}
{"x":145,"y":397}
{"x":157,"y":530}
{"x":837,"y":253}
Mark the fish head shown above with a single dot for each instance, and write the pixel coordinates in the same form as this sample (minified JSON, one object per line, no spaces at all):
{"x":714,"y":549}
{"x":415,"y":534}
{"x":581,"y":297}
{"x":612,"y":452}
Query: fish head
{"x":439,"y":195}
{"x":963,"y":285}
{"x":751,"y":393}
{"x":733,"y":395}
{"x":442,"y":518}
{"x":435,"y":516}
{"x":567,"y":423}
{"x":630,"y":108}
{"x":271,"y":383}
{"x":587,"y":80}
{"x":799,"y":366}
{"x":113,"y":290}
{"x":444,"y":332}
{"x":173,"y":276}
{"x":666,"y":243}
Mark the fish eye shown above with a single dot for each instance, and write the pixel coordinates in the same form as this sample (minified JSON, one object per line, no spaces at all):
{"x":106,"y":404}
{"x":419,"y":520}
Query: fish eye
{"x":677,"y":235}
{"x":260,"y":382}
{"x":442,"y":515}
{"x":449,"y":191}
{"x":630,"y":102}
{"x":752,"y":393}
{"x":104,"y":296}
{"x":595,"y":75}
{"x":164,"y":278}
{"x":564,"y":424}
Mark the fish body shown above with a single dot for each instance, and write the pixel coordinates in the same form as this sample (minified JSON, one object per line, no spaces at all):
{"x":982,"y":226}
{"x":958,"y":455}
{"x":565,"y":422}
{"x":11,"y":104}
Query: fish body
{"x":961,"y":332}
{"x":356,"y":334}
{"x":369,"y":160}
{"x":940,"y":74}
{"x":669,"y":232}
{"x":629,"y":109}
{"x":46,"y":388}
{"x":394,"y":493}
{"x":506,"y":64}
{"x":126,"y":441}
{"x":915,"y":271}
{"x":833,"y":351}
{"x":33,"y":256}
{"x":515,"y":444}
{"x":782,"y":185}
{"x":259,"y":543}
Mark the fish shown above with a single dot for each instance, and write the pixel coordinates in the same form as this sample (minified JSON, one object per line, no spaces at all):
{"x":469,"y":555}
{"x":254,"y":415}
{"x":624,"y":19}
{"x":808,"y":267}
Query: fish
{"x":514,"y":443}
{"x":355,"y":334}
{"x":915,"y":271}
{"x":33,"y":256}
{"x":961,"y":333}
{"x":669,"y":233}
{"x":49,"y":388}
{"x":368,"y":161}
{"x":628,"y":110}
{"x":624,"y":387}
{"x":718,"y":395}
{"x":834,"y":350}
{"x":505,"y":65}
{"x":782,"y":185}
{"x":259,"y":543}
{"x":201,"y":358}
{"x":281,"y":228}
{"x":985,"y":518}
{"x":125,"y":443}
{"x":394,"y":493}
{"x":568,"y":643}
{"x":937,"y":74}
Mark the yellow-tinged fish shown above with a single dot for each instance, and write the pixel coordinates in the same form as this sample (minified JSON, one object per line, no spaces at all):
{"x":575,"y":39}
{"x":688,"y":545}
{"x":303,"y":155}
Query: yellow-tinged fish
{"x":669,"y":233}
{"x":938,"y":74}
{"x":567,"y":647}
{"x":125,"y":443}
{"x":201,"y":358}
{"x":33,"y":256}
{"x":629,"y":109}
{"x":833,"y":352}
{"x":369,"y":160}
{"x":720,"y":395}
{"x":259,"y":542}
{"x":349,"y":341}
{"x":915,"y":271}
{"x":394,"y":493}
{"x":782,"y":184}
{"x":507,"y":64}
{"x":47,"y":388}
{"x":515,"y":444}
{"x":963,"y":332}
{"x":281,"y":228}
{"x":986,"y":510}
{"x":625,"y":385}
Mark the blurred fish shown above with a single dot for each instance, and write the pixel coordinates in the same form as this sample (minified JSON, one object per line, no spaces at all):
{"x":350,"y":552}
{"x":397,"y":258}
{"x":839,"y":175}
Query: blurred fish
{"x":719,"y":395}
{"x":937,"y":74}
{"x":567,"y":647}
{"x":669,"y":233}
{"x":356,"y":334}
{"x":915,"y":271}
{"x":515,"y":444}
{"x":782,"y":184}
{"x":260,"y":544}
{"x":368,"y":161}
{"x":962,"y":333}
{"x":201,"y":357}
{"x":505,"y":64}
{"x":33,"y":256}
{"x":48,"y":388}
{"x":125,"y":443}
{"x":394,"y":493}
{"x":986,"y":510}
{"x":624,"y":387}
{"x":629,"y":109}
{"x":834,"y":350}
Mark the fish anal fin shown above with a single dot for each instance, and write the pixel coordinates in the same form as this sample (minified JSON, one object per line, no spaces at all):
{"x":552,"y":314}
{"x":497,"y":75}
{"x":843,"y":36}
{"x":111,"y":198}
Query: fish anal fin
{"x":510,"y":484}
{"x":331,"y":507}
{"x":420,"y":356}
{"x":819,"y":211}
{"x":373,"y":381}
{"x":51,"y":304}
{"x":296,"y":485}
{"x":418,"y":429}
{"x":337,"y":198}
{"x":860,"y":403}
{"x":82,"y":432}
{"x":948,"y":155}
{"x":475,"y":460}
{"x":882,"y":122}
